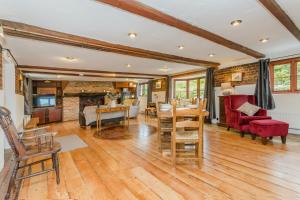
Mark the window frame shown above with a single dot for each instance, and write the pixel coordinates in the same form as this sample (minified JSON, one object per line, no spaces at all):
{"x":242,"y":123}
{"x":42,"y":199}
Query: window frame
{"x":293,"y":75}
{"x":188,"y":86}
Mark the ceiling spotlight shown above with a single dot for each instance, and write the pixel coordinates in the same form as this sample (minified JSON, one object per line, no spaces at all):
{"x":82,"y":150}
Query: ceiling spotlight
{"x":58,"y":76}
{"x":164,"y":69}
{"x":264,"y":40}
{"x":69,"y":59}
{"x":132,"y":35}
{"x":180,"y":47}
{"x":81,"y":74}
{"x":127,"y":79}
{"x":236,"y":22}
{"x":128,"y":65}
{"x":211,"y":55}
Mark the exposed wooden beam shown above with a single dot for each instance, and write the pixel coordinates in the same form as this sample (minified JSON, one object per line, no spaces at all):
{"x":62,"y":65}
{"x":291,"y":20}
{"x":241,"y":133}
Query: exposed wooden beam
{"x":141,"y":9}
{"x":280,"y":14}
{"x":41,"y":34}
{"x":86,"y":75}
{"x":78,"y":71}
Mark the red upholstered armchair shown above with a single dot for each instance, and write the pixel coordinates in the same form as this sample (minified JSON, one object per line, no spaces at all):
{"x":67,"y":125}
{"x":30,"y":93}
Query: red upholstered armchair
{"x":236,"y":119}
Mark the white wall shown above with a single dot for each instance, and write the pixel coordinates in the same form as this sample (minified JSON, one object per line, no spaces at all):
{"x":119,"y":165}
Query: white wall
{"x":8,"y":98}
{"x":287,"y":106}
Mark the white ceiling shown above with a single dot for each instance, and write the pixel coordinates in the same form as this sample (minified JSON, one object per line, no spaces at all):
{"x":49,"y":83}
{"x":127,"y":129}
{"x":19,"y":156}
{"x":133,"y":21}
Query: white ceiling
{"x":95,"y":20}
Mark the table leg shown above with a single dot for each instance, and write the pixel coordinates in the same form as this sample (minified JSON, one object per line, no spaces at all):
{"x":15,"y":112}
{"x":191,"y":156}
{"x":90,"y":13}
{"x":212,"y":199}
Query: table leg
{"x":97,"y":123}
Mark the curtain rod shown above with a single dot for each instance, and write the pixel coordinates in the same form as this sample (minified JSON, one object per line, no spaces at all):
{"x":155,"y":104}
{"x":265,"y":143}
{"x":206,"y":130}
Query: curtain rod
{"x":11,"y":55}
{"x":292,"y":55}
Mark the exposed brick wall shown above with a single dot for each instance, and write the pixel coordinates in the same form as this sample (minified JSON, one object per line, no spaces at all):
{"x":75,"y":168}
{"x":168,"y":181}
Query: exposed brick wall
{"x":249,"y":74}
{"x":88,"y":86}
{"x":163,"y":85}
{"x":70,"y":108}
{"x":19,"y":84}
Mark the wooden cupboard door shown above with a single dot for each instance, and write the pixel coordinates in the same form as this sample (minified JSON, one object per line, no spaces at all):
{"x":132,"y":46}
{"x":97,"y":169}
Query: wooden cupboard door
{"x":40,"y":114}
{"x":54,"y":115}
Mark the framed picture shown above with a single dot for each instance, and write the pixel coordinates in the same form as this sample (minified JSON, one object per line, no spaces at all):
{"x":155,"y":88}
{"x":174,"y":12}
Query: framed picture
{"x":237,"y":76}
{"x":158,"y":84}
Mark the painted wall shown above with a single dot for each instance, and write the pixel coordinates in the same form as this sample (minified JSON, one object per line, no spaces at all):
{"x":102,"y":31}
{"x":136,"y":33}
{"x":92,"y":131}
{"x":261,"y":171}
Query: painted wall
{"x":287,"y":106}
{"x":8,"y":98}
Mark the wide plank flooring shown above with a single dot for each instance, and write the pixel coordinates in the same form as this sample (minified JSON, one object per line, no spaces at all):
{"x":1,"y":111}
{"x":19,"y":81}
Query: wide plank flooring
{"x":232,"y":168}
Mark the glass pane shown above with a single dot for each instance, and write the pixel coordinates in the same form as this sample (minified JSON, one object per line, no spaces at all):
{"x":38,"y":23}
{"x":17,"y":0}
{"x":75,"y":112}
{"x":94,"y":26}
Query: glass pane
{"x":282,"y":77}
{"x":180,"y":89}
{"x":202,"y":87}
{"x":193,"y":88}
{"x":298,"y":75}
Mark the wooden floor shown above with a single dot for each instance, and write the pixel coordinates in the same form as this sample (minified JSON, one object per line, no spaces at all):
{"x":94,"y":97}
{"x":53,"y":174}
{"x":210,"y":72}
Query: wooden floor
{"x":232,"y":168}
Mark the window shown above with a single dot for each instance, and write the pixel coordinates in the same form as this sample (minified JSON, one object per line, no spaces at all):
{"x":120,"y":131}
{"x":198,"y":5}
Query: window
{"x":144,"y":89}
{"x":202,"y":87}
{"x":298,"y":75}
{"x":181,"y":89}
{"x":193,"y":92}
{"x":285,"y":75}
{"x":282,"y":77}
{"x":190,"y":88}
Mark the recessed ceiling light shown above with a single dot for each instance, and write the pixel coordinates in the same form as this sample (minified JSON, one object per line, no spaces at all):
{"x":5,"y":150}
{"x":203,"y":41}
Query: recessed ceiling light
{"x":180,"y":47}
{"x":69,"y":59}
{"x":236,"y":22}
{"x":264,"y":40}
{"x":211,"y":55}
{"x":127,"y":79}
{"x":58,"y":76}
{"x":81,"y":74}
{"x":128,"y":65}
{"x":164,"y":69}
{"x":132,"y":35}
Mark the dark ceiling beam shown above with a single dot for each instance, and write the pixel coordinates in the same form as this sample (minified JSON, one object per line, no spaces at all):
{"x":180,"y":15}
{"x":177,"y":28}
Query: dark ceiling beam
{"x":280,"y":14}
{"x":86,"y":75}
{"x":33,"y":32}
{"x":143,"y":10}
{"x":78,"y":71}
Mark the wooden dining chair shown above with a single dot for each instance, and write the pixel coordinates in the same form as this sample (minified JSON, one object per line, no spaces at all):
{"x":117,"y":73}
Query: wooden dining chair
{"x":187,"y":132}
{"x":164,"y":127}
{"x":30,"y":147}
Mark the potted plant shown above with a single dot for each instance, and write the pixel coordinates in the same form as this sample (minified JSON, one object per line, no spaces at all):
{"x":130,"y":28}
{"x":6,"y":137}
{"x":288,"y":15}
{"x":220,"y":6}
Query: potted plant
{"x":113,"y":98}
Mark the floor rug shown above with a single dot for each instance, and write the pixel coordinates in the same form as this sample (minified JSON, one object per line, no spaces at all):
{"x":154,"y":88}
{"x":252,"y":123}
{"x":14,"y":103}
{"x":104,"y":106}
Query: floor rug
{"x":70,"y":142}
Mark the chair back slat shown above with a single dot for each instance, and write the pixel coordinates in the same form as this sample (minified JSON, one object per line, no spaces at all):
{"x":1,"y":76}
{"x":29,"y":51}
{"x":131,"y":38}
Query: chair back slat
{"x":187,"y":124}
{"x":11,"y":133}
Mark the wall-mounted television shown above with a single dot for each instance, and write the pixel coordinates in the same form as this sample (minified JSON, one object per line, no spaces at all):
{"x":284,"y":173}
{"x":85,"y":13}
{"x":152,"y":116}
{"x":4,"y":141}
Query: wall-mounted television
{"x":44,"y":101}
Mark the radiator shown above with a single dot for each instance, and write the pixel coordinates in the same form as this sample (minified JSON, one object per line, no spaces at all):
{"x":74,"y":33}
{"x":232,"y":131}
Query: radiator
{"x":292,"y":118}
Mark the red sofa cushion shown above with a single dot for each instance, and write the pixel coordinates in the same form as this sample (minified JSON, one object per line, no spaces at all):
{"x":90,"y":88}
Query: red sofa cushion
{"x":268,"y":128}
{"x":247,"y":119}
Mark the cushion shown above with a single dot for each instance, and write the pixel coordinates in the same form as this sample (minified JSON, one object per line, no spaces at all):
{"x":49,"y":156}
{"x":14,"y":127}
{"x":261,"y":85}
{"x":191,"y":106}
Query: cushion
{"x":268,"y":128}
{"x":248,"y":109}
{"x":247,"y":119}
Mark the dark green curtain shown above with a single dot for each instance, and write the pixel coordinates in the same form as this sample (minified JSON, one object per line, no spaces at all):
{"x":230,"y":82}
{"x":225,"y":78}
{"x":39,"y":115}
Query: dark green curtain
{"x":149,"y":95}
{"x":27,"y":86}
{"x":263,"y":92}
{"x":210,"y":94}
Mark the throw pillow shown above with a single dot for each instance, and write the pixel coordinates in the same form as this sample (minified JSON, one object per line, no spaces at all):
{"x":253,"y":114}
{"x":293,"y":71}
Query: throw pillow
{"x":248,"y":109}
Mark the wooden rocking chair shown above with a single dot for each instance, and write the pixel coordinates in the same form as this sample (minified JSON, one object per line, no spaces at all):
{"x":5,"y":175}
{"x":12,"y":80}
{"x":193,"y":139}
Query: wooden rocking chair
{"x":37,"y":144}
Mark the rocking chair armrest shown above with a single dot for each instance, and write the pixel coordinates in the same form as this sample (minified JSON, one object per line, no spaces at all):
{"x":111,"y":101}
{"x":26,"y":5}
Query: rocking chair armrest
{"x":34,"y":129}
{"x":46,"y":134}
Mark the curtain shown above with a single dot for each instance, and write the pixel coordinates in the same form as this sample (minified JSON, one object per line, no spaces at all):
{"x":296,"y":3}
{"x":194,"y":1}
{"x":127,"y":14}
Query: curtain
{"x":263,"y":92}
{"x":170,"y":94}
{"x":149,"y":95}
{"x":27,"y":96}
{"x":210,"y":94}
